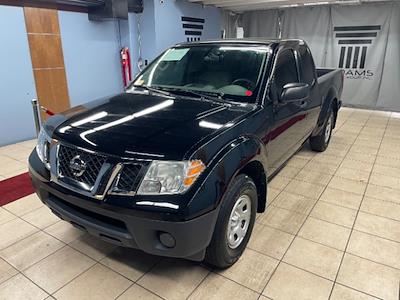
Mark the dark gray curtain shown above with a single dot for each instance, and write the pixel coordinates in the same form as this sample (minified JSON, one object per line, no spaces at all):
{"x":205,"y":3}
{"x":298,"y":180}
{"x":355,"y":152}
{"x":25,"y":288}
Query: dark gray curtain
{"x":229,"y":23}
{"x":361,"y":39}
{"x":261,"y":24}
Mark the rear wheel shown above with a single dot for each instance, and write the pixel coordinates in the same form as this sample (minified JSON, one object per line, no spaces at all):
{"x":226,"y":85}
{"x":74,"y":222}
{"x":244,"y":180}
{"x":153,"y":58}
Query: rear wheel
{"x":320,"y":142}
{"x":235,"y":223}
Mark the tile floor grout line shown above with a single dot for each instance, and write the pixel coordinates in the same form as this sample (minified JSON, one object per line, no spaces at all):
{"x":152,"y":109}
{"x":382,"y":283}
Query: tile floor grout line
{"x":367,"y":233}
{"x":148,"y":271}
{"x":124,"y":291}
{"x":33,"y":209}
{"x":99,"y":262}
{"x":38,"y":230}
{"x":65,"y":245}
{"x":277,"y":266}
{"x":348,"y":227}
{"x":390,"y":201}
{"x":47,"y":293}
{"x":123,"y":275}
{"x":23,"y":238}
{"x":373,"y":261}
{"x":23,"y":270}
{"x":348,"y":239}
{"x":22,"y":274}
{"x":239,"y":283}
{"x":290,"y":264}
{"x":137,"y":280}
{"x":143,"y":287}
{"x":362,"y":292}
{"x":374,"y":198}
{"x":197,"y":286}
{"x":358,"y":210}
{"x":378,"y":236}
{"x":69,"y":281}
{"x":325,"y":278}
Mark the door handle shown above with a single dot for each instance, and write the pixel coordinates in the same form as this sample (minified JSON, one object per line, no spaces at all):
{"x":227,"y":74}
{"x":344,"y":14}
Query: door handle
{"x":302,"y":104}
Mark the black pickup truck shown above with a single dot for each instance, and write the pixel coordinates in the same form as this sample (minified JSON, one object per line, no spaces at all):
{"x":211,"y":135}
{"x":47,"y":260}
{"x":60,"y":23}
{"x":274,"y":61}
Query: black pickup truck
{"x":178,"y":165}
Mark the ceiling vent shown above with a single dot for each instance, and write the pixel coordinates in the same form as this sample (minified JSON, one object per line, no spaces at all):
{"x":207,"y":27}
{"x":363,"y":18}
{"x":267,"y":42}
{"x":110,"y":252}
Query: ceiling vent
{"x":115,"y":9}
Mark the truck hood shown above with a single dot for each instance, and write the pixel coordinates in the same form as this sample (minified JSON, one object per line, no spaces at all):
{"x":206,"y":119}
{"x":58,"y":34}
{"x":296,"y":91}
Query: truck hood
{"x":143,"y":125}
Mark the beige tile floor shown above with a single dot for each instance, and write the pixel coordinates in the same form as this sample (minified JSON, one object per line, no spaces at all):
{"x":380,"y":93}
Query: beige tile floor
{"x":331,"y":231}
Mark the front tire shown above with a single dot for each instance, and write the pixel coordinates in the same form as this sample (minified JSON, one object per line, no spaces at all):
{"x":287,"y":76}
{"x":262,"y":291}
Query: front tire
{"x":234,"y":224}
{"x":320,"y":142}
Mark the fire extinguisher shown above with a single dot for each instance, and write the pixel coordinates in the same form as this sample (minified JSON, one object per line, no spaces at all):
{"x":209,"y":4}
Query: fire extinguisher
{"x":126,"y":66}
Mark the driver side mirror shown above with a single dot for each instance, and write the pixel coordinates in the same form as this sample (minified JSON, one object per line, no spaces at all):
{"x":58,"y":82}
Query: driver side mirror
{"x":295,"y":92}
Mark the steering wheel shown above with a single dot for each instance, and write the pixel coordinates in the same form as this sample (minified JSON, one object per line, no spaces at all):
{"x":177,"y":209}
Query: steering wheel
{"x":246,"y":83}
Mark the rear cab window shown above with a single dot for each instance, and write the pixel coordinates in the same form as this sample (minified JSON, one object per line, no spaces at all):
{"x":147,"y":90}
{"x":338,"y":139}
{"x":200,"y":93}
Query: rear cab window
{"x":285,"y":70}
{"x":307,"y":67}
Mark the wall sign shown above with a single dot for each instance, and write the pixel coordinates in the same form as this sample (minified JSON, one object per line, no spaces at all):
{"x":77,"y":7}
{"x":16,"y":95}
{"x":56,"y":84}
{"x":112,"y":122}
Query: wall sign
{"x":354,"y":42}
{"x":193,"y":28}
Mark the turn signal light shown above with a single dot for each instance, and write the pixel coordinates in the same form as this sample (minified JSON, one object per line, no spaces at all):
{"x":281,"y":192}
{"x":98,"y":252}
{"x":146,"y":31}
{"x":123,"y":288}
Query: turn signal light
{"x":194,"y":170}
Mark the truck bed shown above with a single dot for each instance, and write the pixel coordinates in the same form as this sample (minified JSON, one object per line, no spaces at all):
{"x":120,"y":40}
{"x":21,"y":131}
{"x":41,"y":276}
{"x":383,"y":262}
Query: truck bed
{"x":328,"y":78}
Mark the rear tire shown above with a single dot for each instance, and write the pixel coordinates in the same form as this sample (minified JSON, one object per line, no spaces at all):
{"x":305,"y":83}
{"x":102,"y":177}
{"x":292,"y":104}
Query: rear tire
{"x":320,"y":142}
{"x":234,"y":224}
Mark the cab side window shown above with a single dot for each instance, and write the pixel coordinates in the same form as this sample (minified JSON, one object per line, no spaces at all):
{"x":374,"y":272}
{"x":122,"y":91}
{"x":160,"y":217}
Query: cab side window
{"x":285,"y":71}
{"x":307,"y":68}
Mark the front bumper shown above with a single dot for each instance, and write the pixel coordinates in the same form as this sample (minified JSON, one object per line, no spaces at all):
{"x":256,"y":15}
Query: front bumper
{"x":124,"y":228}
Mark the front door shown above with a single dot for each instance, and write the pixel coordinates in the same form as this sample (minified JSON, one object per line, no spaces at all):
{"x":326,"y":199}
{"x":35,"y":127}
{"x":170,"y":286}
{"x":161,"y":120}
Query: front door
{"x":289,"y":118}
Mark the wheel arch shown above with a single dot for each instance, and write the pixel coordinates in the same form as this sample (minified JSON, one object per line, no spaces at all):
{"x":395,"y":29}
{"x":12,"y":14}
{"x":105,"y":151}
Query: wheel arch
{"x":330,"y":101}
{"x":335,"y":107}
{"x":256,"y":172}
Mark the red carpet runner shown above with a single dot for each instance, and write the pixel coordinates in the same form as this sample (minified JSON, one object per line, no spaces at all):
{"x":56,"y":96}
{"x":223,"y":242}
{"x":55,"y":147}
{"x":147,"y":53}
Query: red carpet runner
{"x":14,"y":188}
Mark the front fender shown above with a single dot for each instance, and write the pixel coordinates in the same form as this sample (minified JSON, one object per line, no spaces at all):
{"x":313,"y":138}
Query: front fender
{"x":224,"y":167}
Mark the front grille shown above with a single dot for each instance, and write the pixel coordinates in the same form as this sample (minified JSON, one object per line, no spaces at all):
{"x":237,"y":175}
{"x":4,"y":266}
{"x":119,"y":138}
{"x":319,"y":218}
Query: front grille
{"x":128,"y":180}
{"x":94,"y":162}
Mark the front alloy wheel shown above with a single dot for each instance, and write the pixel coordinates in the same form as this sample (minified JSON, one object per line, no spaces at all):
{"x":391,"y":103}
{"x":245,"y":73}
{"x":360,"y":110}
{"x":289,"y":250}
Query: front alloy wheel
{"x":234,"y":224}
{"x":239,"y":221}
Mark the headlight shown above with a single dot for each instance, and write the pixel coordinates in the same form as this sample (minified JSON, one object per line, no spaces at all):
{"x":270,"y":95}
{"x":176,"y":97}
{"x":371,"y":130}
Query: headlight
{"x":170,"y":177}
{"x":43,"y":147}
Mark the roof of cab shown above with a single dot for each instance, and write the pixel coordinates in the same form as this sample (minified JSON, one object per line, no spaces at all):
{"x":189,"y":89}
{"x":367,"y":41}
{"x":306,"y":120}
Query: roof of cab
{"x":257,"y":41}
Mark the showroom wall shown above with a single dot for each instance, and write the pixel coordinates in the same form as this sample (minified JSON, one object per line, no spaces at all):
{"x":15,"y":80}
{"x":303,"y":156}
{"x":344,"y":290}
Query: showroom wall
{"x":161,"y":26}
{"x":171,"y":13}
{"x":91,"y":56}
{"x":17,"y":86}
{"x":91,"y":49}
{"x":90,"y":52}
{"x":373,"y":84}
{"x":142,"y":35}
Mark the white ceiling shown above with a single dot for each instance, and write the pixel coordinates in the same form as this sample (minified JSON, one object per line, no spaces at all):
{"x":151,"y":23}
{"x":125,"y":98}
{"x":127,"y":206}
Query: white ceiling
{"x":246,"y":5}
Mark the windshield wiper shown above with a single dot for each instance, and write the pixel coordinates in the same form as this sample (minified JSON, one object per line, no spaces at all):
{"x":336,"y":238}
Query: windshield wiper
{"x":154,"y":90}
{"x":203,"y":95}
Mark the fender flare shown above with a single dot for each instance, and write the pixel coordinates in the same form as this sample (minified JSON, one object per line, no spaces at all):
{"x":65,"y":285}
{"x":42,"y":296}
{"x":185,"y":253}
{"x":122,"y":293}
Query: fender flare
{"x":326,"y":105}
{"x":224,"y":167}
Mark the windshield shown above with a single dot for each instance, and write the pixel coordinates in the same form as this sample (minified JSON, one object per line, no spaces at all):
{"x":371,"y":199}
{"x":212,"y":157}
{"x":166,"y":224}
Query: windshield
{"x":230,"y":71}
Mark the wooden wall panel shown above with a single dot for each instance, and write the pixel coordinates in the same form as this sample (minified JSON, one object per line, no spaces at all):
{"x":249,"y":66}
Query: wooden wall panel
{"x":51,"y":86}
{"x":47,"y":58}
{"x":41,"y":20}
{"x":46,"y":51}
